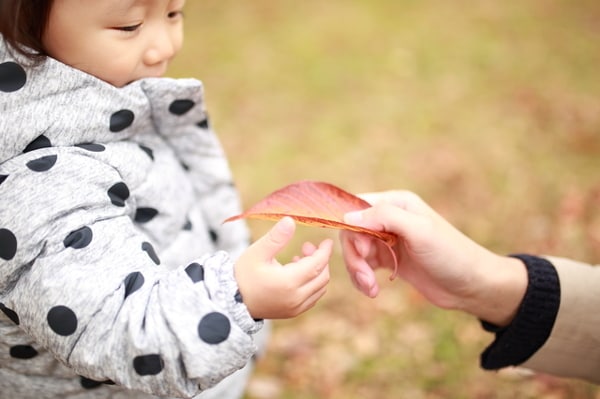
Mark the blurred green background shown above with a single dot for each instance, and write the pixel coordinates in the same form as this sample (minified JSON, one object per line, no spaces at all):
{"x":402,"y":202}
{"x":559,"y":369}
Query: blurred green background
{"x":489,"y":110}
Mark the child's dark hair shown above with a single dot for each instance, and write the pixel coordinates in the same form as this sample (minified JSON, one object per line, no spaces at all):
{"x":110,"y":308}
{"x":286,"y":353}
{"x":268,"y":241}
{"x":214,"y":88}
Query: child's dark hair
{"x":22,"y":24}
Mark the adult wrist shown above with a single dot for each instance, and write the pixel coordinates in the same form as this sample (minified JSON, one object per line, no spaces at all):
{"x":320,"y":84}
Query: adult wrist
{"x":501,"y":286}
{"x":533,"y":323}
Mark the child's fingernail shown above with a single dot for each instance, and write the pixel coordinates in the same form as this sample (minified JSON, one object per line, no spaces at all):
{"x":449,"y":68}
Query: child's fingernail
{"x":354,"y":217}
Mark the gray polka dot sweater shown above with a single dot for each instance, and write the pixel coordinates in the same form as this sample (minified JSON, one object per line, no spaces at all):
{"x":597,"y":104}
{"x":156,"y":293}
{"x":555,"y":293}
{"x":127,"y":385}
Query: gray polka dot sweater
{"x":116,"y":272}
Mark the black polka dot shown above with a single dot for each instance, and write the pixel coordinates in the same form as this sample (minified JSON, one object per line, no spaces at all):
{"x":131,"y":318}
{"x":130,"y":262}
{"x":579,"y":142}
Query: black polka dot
{"x":149,"y":249}
{"x":185,"y":166}
{"x":148,"y":151}
{"x":214,"y":328}
{"x":23,"y":352}
{"x":118,"y":193}
{"x":238,"y":297}
{"x":195,"y":271}
{"x":148,"y":364}
{"x":8,"y":244}
{"x":93,"y":147}
{"x":42,"y":164}
{"x":133,"y":282}
{"x":180,"y":107}
{"x":62,"y":320}
{"x":40,"y":142}
{"x":79,"y":238}
{"x":188,"y":225}
{"x":87,"y":383}
{"x":2,"y":178}
{"x":144,"y":215}
{"x":12,"y":77}
{"x":204,"y":124}
{"x":213,"y":235}
{"x":121,"y":120}
{"x":11,"y":314}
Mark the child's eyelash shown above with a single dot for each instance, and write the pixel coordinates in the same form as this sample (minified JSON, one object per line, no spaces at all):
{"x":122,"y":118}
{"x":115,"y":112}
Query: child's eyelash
{"x":131,"y":28}
{"x":174,"y":14}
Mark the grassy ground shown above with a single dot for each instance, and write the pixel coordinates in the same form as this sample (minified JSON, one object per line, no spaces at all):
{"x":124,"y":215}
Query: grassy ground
{"x":490,"y":110}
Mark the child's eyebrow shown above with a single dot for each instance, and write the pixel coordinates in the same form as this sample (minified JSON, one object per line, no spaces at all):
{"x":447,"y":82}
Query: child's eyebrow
{"x":126,"y":5}
{"x":121,"y":6}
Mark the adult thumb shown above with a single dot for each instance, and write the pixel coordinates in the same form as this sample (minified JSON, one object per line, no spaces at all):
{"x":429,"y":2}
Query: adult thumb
{"x":364,"y":218}
{"x":382,"y":217}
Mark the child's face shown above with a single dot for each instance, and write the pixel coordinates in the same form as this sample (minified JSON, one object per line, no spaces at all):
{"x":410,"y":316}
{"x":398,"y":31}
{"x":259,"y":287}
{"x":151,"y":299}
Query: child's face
{"x":118,"y":41}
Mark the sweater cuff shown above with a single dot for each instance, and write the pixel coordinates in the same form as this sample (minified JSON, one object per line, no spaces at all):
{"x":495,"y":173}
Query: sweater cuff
{"x":224,"y":290}
{"x":531,"y":327}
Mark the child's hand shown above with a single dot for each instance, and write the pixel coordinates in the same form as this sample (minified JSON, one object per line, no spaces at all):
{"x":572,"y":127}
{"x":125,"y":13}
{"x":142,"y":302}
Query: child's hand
{"x":274,"y":291}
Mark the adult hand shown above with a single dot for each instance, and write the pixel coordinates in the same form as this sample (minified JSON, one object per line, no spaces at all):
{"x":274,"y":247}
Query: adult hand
{"x":448,"y":268}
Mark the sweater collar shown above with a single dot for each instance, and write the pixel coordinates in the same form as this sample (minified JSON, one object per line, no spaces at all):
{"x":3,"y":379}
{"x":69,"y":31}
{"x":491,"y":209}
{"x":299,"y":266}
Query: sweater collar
{"x":56,"y":104}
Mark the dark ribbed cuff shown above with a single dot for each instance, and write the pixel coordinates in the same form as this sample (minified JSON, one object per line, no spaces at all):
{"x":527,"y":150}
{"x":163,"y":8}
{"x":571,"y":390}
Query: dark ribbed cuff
{"x":531,"y":327}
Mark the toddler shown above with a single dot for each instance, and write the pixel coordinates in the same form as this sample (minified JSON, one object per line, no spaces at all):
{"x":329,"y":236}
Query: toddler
{"x":117,"y":277}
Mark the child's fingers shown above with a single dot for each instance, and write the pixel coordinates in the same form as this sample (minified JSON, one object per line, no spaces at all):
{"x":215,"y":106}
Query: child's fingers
{"x":308,"y":248}
{"x":312,"y":300}
{"x":267,"y":246}
{"x":312,"y":266}
{"x":315,"y":287}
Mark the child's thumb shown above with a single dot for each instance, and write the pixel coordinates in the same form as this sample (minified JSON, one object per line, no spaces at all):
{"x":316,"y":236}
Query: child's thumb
{"x":276,"y":238}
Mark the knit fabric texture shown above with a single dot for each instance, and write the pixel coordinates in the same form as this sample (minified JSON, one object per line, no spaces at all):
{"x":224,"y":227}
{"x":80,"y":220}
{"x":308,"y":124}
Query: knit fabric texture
{"x":533,"y":323}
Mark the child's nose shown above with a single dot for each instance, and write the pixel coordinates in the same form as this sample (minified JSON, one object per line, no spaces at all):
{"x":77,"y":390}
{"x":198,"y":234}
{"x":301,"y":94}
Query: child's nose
{"x":163,"y":46}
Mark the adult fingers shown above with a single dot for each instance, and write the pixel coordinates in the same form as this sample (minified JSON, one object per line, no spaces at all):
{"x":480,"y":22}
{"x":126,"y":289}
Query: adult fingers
{"x":404,"y":199}
{"x":360,"y":272}
{"x":384,"y":217}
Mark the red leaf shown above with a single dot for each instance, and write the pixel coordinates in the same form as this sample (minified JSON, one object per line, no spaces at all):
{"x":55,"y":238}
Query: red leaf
{"x":314,"y":203}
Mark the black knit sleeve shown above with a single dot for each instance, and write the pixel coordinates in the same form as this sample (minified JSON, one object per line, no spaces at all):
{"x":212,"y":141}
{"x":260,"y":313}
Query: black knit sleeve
{"x":531,"y":327}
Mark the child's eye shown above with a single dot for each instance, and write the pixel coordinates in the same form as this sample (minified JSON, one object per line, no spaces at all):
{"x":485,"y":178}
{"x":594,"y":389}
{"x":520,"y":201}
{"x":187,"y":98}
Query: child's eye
{"x":175,"y":14}
{"x":131,"y":28}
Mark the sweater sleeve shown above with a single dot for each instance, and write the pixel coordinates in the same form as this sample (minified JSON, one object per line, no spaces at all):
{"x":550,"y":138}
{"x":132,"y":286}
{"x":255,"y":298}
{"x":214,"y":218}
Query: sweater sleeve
{"x":573,"y":347}
{"x":556,"y":327}
{"x":533,"y":322}
{"x":86,"y":284}
{"x":192,"y":138}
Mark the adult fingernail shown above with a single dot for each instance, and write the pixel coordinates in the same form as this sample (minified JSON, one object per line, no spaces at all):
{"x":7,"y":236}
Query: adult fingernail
{"x":363,"y":282}
{"x":373,"y":291}
{"x":354,"y":217}
{"x":361,"y":247}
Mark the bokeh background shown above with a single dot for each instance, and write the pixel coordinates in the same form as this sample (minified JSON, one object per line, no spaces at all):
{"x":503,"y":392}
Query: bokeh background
{"x":489,"y":109}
